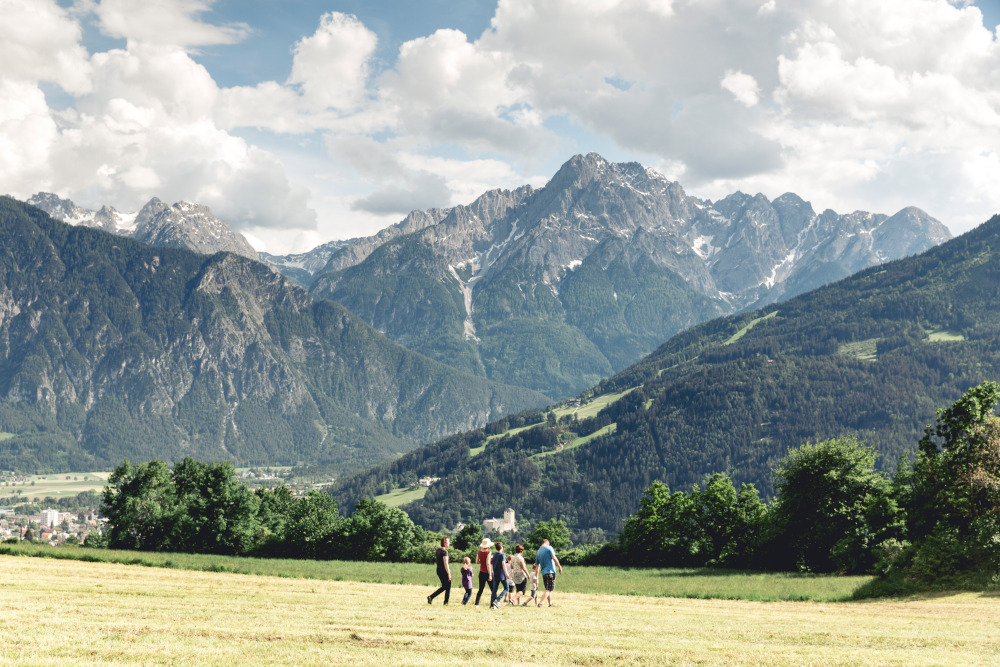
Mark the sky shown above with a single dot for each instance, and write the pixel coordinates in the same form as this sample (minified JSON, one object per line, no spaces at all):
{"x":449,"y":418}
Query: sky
{"x":304,"y":121}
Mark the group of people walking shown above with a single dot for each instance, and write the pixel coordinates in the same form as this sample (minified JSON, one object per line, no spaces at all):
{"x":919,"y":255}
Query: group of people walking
{"x":507,"y":576}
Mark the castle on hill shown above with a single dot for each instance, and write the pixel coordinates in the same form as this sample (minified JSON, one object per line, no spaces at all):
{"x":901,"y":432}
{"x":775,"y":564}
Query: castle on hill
{"x":505,"y":525}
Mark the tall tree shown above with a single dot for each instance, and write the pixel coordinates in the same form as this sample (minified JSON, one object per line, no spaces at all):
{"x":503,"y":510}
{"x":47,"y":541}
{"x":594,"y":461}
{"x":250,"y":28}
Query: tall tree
{"x":553,"y":530}
{"x":826,"y":493}
{"x":217,"y":514}
{"x":664,"y":531}
{"x":953,"y":517}
{"x":378,"y":532}
{"x":311,"y":526}
{"x":728,"y":521}
{"x":140,"y":503}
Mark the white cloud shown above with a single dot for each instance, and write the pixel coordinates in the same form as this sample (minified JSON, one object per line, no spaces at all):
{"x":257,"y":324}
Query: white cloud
{"x":423,"y":190}
{"x":404,"y":180}
{"x":743,"y":87}
{"x":327,"y":88}
{"x":27,"y":133}
{"x":39,"y":41}
{"x":161,"y":79}
{"x":331,"y":66}
{"x":141,"y":122}
{"x":468,"y":179}
{"x":854,"y":104}
{"x":169,"y":22}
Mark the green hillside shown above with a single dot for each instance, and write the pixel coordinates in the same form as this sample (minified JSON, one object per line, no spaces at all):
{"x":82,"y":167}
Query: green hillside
{"x":873,"y":355}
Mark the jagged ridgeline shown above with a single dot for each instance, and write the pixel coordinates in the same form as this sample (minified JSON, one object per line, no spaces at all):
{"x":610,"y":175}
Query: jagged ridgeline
{"x":110,"y":348}
{"x":557,"y":288}
{"x":873,"y":355}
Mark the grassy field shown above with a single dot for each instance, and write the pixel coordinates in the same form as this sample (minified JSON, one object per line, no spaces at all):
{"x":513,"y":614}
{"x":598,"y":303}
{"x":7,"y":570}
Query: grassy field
{"x":497,"y":436}
{"x":588,"y":409}
{"x":577,"y":442}
{"x":401,"y":496}
{"x":591,"y":407}
{"x":866,"y":350}
{"x":693,"y":583}
{"x":62,"y":484}
{"x":750,"y":325}
{"x":943,"y":336}
{"x":69,"y":612}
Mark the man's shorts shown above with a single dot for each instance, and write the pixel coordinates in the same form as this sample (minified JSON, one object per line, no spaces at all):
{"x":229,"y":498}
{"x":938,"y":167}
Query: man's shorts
{"x":550,"y":581}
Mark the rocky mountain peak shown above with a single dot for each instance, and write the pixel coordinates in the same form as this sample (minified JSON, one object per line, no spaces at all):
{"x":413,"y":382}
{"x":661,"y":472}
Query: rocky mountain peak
{"x":191,"y":226}
{"x":907,"y":231}
{"x":57,"y":207}
{"x":579,"y":172}
{"x":184,"y":225}
{"x":173,"y":354}
{"x":604,"y":262}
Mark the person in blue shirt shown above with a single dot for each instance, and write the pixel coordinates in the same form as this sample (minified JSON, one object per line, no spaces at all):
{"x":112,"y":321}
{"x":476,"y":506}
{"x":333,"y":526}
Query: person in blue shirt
{"x":500,"y":576}
{"x":546,"y":563}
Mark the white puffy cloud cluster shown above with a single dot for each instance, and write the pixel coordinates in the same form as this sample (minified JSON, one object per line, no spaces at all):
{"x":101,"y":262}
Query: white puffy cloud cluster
{"x":852,"y":104}
{"x":141,"y":120}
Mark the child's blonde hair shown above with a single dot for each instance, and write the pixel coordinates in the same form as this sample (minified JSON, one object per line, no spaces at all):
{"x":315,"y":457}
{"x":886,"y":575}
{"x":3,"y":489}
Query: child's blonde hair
{"x":466,"y":561}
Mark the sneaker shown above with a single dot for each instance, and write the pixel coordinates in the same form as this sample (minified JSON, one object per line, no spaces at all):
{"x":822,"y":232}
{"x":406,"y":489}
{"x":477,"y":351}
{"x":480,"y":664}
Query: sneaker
{"x":429,"y":598}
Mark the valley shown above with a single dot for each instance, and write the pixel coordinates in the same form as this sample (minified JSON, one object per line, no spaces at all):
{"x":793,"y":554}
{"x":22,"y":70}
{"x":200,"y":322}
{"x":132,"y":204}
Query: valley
{"x":690,"y":307}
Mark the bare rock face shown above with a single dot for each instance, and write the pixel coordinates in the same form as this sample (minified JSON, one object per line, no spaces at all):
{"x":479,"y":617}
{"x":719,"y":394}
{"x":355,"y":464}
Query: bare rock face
{"x":183,"y":225}
{"x":187,"y":225}
{"x":582,"y":277}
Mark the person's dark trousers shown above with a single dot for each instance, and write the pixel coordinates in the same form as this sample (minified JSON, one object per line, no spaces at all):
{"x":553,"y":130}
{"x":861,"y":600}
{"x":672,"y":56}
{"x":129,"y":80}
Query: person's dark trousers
{"x":445,"y":588}
{"x":484,"y":578}
{"x":468,"y":594}
{"x":498,"y":584}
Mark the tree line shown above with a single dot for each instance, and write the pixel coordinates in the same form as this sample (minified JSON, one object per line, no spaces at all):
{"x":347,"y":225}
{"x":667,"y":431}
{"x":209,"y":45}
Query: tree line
{"x":197,"y":507}
{"x":936,"y":522}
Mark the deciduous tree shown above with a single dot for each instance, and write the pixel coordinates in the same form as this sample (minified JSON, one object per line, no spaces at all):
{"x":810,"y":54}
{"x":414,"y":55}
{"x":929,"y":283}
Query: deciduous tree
{"x":826,"y":494}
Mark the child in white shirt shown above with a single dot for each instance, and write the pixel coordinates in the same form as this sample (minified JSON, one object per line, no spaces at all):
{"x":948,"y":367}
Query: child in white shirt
{"x":534,"y":589}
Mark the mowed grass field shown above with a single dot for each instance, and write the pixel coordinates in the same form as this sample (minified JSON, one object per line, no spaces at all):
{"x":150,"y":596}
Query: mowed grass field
{"x":72,"y":612}
{"x":642,"y":582}
{"x":62,"y":484}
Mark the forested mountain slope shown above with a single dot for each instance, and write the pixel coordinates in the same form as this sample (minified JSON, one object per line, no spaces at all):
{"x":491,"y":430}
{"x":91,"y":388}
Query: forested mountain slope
{"x":110,"y":348}
{"x":559,"y":287}
{"x":873,"y":355}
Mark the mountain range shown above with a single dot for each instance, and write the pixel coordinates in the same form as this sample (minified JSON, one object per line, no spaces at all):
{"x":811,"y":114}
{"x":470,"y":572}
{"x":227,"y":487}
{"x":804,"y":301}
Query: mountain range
{"x":873,"y":355}
{"x":112,"y":348}
{"x":557,"y":288}
{"x":182,"y":225}
{"x":522,"y":295}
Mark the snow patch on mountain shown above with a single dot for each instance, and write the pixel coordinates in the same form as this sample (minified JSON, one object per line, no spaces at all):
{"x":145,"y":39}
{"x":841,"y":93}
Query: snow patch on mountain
{"x":469,"y":326}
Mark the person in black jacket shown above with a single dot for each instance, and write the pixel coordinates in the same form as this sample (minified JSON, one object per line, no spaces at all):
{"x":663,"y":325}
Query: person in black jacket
{"x":443,"y":572}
